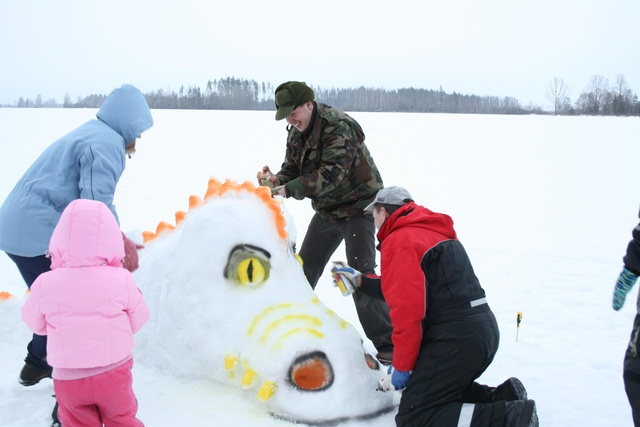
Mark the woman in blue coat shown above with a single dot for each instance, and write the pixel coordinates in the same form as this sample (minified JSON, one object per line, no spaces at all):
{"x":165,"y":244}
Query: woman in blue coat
{"x":84,"y":164}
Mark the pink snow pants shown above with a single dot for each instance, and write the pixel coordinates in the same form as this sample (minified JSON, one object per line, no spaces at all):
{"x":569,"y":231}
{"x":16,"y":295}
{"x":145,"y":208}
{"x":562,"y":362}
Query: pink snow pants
{"x":105,"y":398}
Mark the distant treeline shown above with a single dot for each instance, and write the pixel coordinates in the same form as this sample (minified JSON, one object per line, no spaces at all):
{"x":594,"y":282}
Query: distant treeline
{"x":240,"y":94}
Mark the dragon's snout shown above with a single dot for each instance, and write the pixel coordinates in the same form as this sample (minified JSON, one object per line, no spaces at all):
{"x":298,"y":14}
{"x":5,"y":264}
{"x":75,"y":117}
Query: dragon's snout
{"x":314,"y":372}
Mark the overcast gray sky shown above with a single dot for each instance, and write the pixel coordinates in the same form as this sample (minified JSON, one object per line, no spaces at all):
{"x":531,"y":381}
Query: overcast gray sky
{"x":483,"y":47}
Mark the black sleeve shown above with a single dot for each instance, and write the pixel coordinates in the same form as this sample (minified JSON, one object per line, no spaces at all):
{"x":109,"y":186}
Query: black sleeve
{"x":632,"y":258}
{"x":371,"y":285}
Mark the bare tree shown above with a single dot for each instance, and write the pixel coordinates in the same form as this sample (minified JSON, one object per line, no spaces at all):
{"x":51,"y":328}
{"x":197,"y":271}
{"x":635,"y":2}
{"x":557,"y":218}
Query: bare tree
{"x":622,"y":98}
{"x":597,"y":89}
{"x":558,"y":94}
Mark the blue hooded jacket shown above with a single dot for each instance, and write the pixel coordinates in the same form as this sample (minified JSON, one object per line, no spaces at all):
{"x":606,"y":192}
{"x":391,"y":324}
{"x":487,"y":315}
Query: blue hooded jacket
{"x":84,"y":164}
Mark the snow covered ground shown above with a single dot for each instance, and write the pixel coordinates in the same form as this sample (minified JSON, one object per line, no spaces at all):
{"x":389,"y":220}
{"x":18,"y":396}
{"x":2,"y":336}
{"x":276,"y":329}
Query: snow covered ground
{"x":544,"y":205}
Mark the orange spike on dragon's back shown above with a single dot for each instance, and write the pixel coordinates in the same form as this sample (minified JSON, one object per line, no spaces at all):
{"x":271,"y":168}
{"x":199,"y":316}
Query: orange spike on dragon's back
{"x":4,"y":295}
{"x":217,"y":188}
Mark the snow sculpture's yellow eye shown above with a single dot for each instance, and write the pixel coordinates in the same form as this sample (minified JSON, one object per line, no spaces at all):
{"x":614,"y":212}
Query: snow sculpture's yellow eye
{"x":251,"y":271}
{"x":248,"y":265}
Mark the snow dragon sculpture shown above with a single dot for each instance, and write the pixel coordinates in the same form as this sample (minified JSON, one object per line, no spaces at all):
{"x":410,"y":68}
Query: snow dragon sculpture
{"x":226,"y":284}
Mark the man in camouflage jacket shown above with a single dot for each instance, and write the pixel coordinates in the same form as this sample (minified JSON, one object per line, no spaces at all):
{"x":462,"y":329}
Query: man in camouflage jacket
{"x":328,"y":162}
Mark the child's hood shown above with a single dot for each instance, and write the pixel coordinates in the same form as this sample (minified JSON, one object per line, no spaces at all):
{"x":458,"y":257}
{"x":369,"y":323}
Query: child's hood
{"x":86,"y":235}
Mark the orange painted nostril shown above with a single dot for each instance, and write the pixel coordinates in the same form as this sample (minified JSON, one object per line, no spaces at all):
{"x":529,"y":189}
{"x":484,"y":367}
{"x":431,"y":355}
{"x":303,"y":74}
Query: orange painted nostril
{"x":311,"y":372}
{"x":311,"y":375}
{"x":372,"y":363}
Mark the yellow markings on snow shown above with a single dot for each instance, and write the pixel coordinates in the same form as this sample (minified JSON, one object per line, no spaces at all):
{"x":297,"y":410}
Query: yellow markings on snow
{"x":264,"y":313}
{"x":290,"y":324}
{"x":266,"y":391}
{"x":230,"y":362}
{"x":286,"y":319}
{"x":249,"y":378}
{"x":313,"y":332}
{"x":341,"y":322}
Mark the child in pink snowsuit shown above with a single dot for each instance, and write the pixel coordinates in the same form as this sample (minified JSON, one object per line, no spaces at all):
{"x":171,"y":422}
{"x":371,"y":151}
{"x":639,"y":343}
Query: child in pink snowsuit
{"x":89,"y":307}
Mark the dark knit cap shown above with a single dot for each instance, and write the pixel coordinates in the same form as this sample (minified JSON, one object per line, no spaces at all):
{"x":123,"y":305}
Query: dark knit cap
{"x":291,"y":95}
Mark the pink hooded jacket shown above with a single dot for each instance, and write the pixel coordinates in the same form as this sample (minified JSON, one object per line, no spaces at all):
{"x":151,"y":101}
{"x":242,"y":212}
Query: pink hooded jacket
{"x":88,"y":304}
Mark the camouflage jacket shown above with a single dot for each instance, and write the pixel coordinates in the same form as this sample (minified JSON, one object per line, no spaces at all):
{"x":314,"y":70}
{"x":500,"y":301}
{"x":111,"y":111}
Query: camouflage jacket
{"x":330,"y":164}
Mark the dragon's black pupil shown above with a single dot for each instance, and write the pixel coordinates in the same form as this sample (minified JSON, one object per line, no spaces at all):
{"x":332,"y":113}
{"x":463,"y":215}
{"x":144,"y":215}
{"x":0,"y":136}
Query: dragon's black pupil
{"x":250,"y":271}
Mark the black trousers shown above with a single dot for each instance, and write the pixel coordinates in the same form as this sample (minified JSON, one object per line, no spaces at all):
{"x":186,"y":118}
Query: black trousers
{"x":631,"y":372}
{"x":321,"y":241}
{"x":30,"y":268}
{"x":452,"y":356}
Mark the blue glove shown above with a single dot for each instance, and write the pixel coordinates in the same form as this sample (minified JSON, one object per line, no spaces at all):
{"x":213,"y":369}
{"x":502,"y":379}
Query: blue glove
{"x":399,"y":379}
{"x":625,"y":282}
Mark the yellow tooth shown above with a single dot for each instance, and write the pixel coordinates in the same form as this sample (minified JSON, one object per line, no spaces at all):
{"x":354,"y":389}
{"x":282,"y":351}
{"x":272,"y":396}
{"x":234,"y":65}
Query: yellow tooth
{"x":230,"y":362}
{"x":266,"y":391}
{"x":249,"y":378}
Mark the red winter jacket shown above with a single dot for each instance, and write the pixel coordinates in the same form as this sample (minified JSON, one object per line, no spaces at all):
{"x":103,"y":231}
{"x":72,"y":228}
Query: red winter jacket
{"x":426,"y":277}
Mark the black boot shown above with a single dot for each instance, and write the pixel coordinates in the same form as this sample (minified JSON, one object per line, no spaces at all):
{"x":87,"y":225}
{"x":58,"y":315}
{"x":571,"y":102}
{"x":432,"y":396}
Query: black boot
{"x":30,"y":376}
{"x":385,"y":357}
{"x":521,"y":413}
{"x":511,"y":389}
{"x":54,"y":416}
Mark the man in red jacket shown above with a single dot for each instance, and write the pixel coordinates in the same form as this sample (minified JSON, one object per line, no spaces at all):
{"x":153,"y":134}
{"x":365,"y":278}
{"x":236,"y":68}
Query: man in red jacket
{"x":444,"y":333}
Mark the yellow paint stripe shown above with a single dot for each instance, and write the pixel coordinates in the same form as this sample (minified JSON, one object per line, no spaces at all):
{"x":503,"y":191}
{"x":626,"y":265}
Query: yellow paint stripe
{"x":286,"y":319}
{"x":265,"y":313}
{"x":313,"y":332}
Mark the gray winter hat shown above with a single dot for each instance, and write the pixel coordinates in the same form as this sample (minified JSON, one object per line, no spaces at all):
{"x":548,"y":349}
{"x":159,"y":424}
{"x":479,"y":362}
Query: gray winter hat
{"x":390,"y":196}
